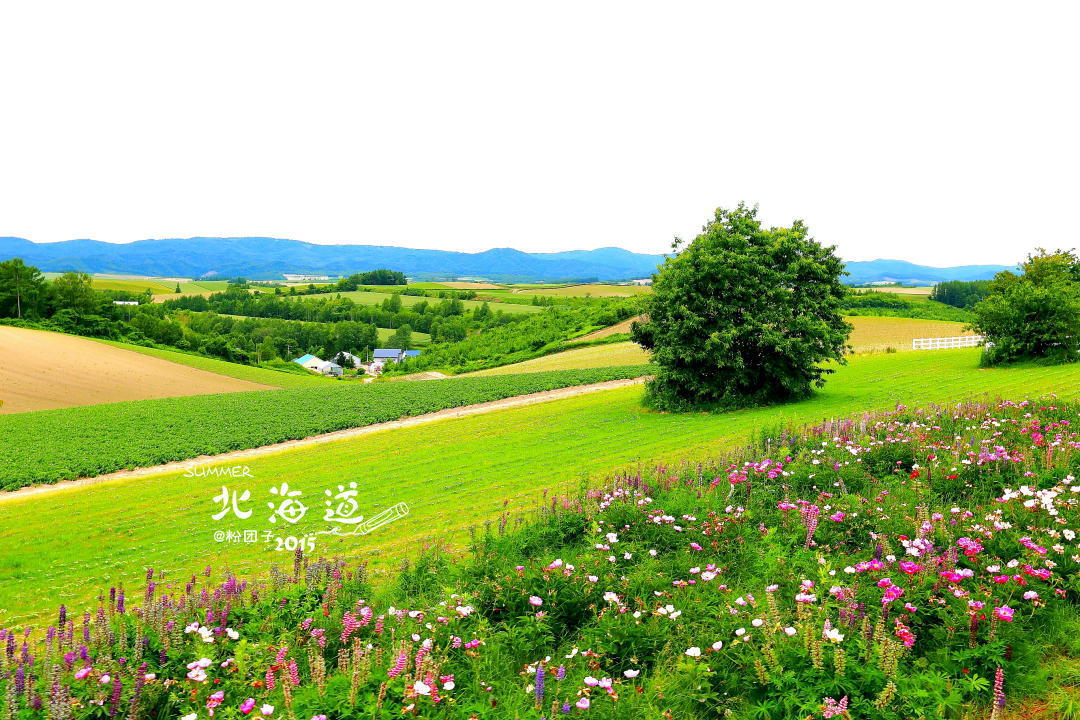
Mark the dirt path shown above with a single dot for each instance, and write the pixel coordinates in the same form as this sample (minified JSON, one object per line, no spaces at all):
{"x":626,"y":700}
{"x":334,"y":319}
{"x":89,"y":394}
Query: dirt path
{"x":449,"y":413}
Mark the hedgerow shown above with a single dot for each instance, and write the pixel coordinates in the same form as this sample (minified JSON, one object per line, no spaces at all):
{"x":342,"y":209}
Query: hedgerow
{"x":53,"y":445}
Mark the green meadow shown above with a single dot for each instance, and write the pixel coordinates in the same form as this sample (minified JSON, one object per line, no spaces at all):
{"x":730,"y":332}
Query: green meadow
{"x":61,"y":546}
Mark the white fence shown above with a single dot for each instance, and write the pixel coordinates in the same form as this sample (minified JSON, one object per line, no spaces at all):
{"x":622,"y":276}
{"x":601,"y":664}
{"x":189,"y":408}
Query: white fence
{"x":942,"y":343}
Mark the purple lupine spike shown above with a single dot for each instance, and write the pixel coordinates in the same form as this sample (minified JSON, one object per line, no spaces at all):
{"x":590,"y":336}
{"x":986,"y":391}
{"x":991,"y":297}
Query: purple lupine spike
{"x":69,"y":660}
{"x":120,"y":601}
{"x":86,"y":627}
{"x":63,"y":615}
{"x":207,"y":571}
{"x":84,"y":653}
{"x":149,"y":574}
{"x":114,"y":703}
{"x":163,"y":657}
{"x":20,"y":680}
{"x":540,"y":683}
{"x":560,"y":673}
{"x":566,"y":708}
{"x":149,"y":592}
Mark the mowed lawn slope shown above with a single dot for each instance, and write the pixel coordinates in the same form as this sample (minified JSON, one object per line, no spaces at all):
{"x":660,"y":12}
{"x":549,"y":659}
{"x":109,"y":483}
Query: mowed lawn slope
{"x":42,"y":370}
{"x":452,"y":474}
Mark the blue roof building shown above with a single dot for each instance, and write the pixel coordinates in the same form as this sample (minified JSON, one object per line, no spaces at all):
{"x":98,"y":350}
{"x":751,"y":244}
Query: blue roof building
{"x":305,"y":359}
{"x":387,"y":354}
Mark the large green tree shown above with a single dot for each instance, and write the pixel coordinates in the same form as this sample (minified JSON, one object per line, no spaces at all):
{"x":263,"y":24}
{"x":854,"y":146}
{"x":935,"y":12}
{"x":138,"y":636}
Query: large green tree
{"x":744,"y":315}
{"x":74,"y":291}
{"x":1035,"y":315}
{"x":22,"y":289}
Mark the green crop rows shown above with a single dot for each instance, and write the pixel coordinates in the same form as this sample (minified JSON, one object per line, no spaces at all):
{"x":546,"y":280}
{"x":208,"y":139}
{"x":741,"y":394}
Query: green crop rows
{"x":53,"y":445}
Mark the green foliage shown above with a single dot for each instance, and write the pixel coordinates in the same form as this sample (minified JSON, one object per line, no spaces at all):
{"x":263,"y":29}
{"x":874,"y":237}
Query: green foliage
{"x":372,"y":277}
{"x":743,"y":316}
{"x":23,"y":290}
{"x":960,"y":293}
{"x":53,"y":445}
{"x":529,"y":337}
{"x":1036,"y":315}
{"x":881,"y":304}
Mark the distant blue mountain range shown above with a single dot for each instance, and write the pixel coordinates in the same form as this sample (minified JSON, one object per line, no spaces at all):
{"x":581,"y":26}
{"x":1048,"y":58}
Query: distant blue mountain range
{"x":270,"y":258}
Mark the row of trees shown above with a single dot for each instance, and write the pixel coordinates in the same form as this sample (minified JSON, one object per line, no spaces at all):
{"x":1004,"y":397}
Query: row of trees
{"x":960,"y":293}
{"x":446,"y":320}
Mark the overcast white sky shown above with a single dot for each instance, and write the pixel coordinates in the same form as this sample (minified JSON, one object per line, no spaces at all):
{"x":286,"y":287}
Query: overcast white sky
{"x":937,"y":132}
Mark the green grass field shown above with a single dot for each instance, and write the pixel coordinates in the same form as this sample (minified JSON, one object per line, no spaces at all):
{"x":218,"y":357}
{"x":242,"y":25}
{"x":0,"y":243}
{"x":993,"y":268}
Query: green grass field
{"x":265,"y":376}
{"x":624,"y":353}
{"x":376,"y":298}
{"x":63,"y":546}
{"x":157,"y":286}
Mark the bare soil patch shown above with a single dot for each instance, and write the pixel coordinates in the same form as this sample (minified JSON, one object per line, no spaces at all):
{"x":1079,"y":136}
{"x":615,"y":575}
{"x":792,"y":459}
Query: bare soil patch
{"x":45,"y":370}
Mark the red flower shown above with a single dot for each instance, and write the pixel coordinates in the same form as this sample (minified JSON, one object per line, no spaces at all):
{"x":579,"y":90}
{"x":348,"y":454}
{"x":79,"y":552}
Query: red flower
{"x":914,"y":474}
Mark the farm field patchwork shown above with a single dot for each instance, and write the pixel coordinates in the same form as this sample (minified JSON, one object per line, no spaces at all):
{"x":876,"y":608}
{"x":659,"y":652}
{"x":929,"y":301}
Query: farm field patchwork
{"x":41,"y":370}
{"x":870,"y":334}
{"x":452,"y":474}
{"x":64,"y":444}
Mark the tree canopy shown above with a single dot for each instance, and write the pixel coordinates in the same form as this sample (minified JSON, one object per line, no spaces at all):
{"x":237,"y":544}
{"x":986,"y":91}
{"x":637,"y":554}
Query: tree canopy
{"x":1035,"y":315}
{"x":743,"y":315}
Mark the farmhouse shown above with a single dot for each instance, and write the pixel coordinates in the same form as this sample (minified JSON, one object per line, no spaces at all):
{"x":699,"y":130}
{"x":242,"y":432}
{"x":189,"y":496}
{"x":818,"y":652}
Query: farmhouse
{"x":382,"y":356}
{"x":309,"y":361}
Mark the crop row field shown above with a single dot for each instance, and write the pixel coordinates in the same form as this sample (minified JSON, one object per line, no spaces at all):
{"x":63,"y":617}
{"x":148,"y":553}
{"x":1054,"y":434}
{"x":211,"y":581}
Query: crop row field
{"x":54,"y":445}
{"x":452,"y":474}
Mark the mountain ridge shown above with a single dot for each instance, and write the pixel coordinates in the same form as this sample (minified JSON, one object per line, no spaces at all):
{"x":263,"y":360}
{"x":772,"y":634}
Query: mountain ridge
{"x":270,"y":258}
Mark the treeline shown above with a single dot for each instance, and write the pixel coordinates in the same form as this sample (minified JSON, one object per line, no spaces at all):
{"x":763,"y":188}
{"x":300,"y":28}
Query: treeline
{"x":533,"y":336}
{"x":892,"y":305}
{"x":69,"y":301}
{"x":960,"y":293}
{"x":251,"y":341}
{"x":70,"y":304}
{"x":446,"y":320}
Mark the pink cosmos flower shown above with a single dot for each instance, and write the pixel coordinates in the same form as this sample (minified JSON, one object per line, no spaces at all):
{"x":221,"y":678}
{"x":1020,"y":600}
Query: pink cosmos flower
{"x":583,"y":703}
{"x":1004,"y":613}
{"x":535,"y":601}
{"x":83,"y":673}
{"x":247,"y":706}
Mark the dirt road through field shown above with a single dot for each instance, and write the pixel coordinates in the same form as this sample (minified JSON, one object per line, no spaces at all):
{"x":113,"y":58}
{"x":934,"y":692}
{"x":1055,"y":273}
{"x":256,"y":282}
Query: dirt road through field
{"x":240,"y":455}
